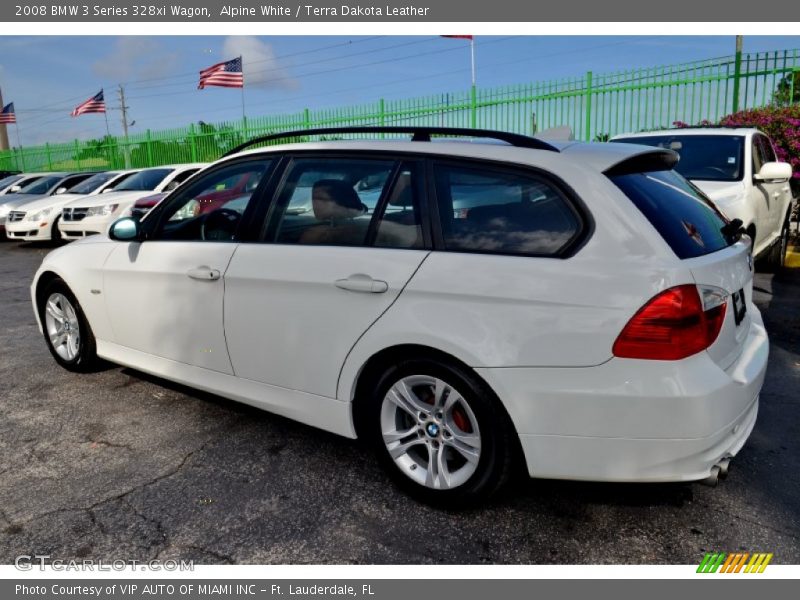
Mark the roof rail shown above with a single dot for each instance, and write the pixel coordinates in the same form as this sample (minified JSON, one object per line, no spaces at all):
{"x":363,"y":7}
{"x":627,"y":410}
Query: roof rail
{"x":418,"y":134}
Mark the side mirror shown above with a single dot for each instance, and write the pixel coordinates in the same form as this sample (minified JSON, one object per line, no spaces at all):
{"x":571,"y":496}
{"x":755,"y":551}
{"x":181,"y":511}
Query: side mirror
{"x":125,"y":229}
{"x":61,"y":190}
{"x":105,"y":191}
{"x":772,"y":171}
{"x":14,"y":189}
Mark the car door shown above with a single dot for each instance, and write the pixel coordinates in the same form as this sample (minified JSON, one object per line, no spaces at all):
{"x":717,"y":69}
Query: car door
{"x":164,"y":296}
{"x":766,"y":194}
{"x":343,"y":236}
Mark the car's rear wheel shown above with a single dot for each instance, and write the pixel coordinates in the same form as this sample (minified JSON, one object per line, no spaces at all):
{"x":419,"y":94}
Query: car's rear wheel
{"x":66,"y":330}
{"x":440,"y":432}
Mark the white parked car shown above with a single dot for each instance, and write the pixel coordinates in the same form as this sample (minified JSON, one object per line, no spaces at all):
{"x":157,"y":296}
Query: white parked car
{"x":38,"y":220}
{"x":580,"y":307}
{"x":739,"y":170}
{"x":92,"y":215}
{"x":35,"y":187}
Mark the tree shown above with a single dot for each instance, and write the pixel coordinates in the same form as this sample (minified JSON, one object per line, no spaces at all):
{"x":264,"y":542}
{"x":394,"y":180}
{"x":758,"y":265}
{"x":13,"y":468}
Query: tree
{"x":788,"y":90}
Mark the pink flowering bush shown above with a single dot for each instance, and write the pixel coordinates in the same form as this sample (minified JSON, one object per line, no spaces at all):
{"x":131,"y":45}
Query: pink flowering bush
{"x":781,"y":123}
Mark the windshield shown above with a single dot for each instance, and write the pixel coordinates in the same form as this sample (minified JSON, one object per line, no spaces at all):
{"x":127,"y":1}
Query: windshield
{"x":703,"y":157}
{"x":41,"y":186}
{"x":144,"y":181}
{"x":89,"y":185}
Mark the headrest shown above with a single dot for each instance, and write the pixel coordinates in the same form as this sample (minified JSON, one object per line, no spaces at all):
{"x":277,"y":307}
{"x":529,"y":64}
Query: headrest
{"x":403,"y":193}
{"x":335,"y":199}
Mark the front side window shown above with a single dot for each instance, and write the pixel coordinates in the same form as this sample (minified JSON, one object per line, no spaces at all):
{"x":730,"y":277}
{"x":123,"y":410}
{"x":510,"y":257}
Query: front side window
{"x":211,"y":208}
{"x":329,"y":201}
{"x":496,"y":211}
{"x":703,"y":157}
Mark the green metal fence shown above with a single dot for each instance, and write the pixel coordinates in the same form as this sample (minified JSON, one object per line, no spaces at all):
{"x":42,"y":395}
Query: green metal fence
{"x":594,"y":105}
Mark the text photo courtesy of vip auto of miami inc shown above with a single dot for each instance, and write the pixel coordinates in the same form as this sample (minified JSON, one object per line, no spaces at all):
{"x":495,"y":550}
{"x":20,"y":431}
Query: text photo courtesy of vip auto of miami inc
{"x":386,"y":299}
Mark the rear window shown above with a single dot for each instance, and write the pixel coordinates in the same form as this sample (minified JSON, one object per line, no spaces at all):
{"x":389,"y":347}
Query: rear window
{"x":685,"y":218}
{"x":703,"y":157}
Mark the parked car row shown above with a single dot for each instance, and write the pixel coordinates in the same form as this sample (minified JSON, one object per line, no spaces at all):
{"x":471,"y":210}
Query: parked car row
{"x":53,"y":206}
{"x":580,"y":309}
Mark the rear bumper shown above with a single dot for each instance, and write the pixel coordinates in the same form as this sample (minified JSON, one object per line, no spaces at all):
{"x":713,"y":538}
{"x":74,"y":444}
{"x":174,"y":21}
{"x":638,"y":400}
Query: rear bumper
{"x":632,"y":420}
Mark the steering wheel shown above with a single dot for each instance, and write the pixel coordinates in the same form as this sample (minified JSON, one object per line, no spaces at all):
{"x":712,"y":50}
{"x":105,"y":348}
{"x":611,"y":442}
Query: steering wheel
{"x":220,"y":224}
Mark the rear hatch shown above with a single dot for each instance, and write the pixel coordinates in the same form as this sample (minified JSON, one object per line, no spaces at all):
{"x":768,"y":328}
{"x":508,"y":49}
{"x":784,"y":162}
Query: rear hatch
{"x":709,"y":245}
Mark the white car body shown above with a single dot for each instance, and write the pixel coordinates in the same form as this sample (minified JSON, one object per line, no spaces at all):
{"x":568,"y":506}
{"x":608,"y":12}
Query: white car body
{"x":121,"y":201}
{"x":14,"y":203}
{"x":763,"y":206}
{"x":274,"y":329}
{"x":41,"y":216}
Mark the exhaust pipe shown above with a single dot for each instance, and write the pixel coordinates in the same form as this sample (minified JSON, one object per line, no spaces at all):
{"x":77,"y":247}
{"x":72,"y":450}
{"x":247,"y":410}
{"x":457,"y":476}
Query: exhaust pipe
{"x":713,"y":478}
{"x":724,"y":466}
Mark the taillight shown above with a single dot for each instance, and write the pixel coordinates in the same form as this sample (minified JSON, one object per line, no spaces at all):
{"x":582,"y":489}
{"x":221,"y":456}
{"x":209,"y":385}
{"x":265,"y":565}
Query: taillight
{"x":677,"y":323}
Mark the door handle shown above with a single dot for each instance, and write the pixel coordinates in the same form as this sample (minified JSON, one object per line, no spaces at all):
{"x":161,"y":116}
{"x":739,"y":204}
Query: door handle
{"x":204,"y":273}
{"x":360,"y":282}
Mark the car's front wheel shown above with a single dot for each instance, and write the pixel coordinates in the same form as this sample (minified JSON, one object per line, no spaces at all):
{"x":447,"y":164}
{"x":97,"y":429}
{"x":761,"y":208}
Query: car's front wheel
{"x":66,"y":330}
{"x":440,"y":432}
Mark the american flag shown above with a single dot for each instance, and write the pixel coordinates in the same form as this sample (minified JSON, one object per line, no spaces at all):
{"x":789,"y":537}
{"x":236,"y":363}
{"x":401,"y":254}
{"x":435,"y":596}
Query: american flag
{"x":95,"y":104}
{"x":7,"y":115}
{"x":224,"y":74}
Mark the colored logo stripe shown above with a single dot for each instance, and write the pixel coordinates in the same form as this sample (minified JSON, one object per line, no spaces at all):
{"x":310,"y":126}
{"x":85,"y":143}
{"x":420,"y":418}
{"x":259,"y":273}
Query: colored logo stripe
{"x":735,"y":562}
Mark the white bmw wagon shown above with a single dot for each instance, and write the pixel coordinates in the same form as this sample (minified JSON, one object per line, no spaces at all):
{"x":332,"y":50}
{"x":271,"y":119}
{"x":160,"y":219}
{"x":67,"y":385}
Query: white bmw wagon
{"x":462,"y":306}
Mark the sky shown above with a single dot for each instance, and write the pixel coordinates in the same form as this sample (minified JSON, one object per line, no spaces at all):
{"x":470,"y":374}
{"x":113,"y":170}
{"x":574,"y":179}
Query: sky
{"x":47,"y":76}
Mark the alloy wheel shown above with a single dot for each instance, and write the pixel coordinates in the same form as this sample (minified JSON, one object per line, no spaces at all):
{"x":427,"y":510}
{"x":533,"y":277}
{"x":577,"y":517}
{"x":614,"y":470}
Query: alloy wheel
{"x":63,"y":329}
{"x":430,"y":432}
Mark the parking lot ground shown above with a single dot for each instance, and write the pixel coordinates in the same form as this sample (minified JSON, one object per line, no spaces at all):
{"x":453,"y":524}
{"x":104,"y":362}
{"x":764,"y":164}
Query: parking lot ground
{"x":119,"y":465}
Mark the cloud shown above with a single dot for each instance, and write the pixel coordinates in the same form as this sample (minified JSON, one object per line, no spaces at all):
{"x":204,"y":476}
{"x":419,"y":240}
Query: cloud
{"x":135,"y":57}
{"x":261,"y":67}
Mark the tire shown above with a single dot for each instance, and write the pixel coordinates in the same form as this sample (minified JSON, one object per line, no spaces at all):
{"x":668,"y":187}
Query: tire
{"x":776,"y":256}
{"x":55,"y":232}
{"x":424,"y":409}
{"x":61,"y":316}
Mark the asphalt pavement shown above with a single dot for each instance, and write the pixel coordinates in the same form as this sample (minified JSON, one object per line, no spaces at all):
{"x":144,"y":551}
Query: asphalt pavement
{"x":118,"y":465}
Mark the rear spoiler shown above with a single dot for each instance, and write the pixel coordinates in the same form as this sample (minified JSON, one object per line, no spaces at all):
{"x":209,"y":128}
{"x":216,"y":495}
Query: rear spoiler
{"x":658,"y":159}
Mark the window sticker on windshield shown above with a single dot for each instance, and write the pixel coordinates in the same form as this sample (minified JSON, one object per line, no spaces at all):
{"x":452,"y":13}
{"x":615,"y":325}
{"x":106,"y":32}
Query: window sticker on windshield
{"x":731,"y":160}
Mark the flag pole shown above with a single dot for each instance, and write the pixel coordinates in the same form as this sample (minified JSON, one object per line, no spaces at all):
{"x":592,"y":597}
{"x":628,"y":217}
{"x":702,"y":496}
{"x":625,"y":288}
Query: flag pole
{"x":472,"y":56}
{"x":244,"y":116}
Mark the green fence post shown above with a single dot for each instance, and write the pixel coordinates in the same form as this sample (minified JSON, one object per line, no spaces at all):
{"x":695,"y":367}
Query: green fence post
{"x":192,"y":145}
{"x":382,"y":115}
{"x":149,"y":146}
{"x":49,"y":157}
{"x":306,"y":119}
{"x":473,"y":104}
{"x":78,"y":154}
{"x":21,"y":160}
{"x":737,"y":74}
{"x":588,"y":93}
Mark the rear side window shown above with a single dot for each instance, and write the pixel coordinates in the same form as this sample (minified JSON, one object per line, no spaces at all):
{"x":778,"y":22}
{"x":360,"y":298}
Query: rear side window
{"x":686,"y":220}
{"x":495,"y":211}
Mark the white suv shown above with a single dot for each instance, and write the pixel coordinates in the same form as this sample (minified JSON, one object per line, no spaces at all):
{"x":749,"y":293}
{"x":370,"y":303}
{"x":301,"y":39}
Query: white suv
{"x":739,"y":170}
{"x":457,"y":305}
